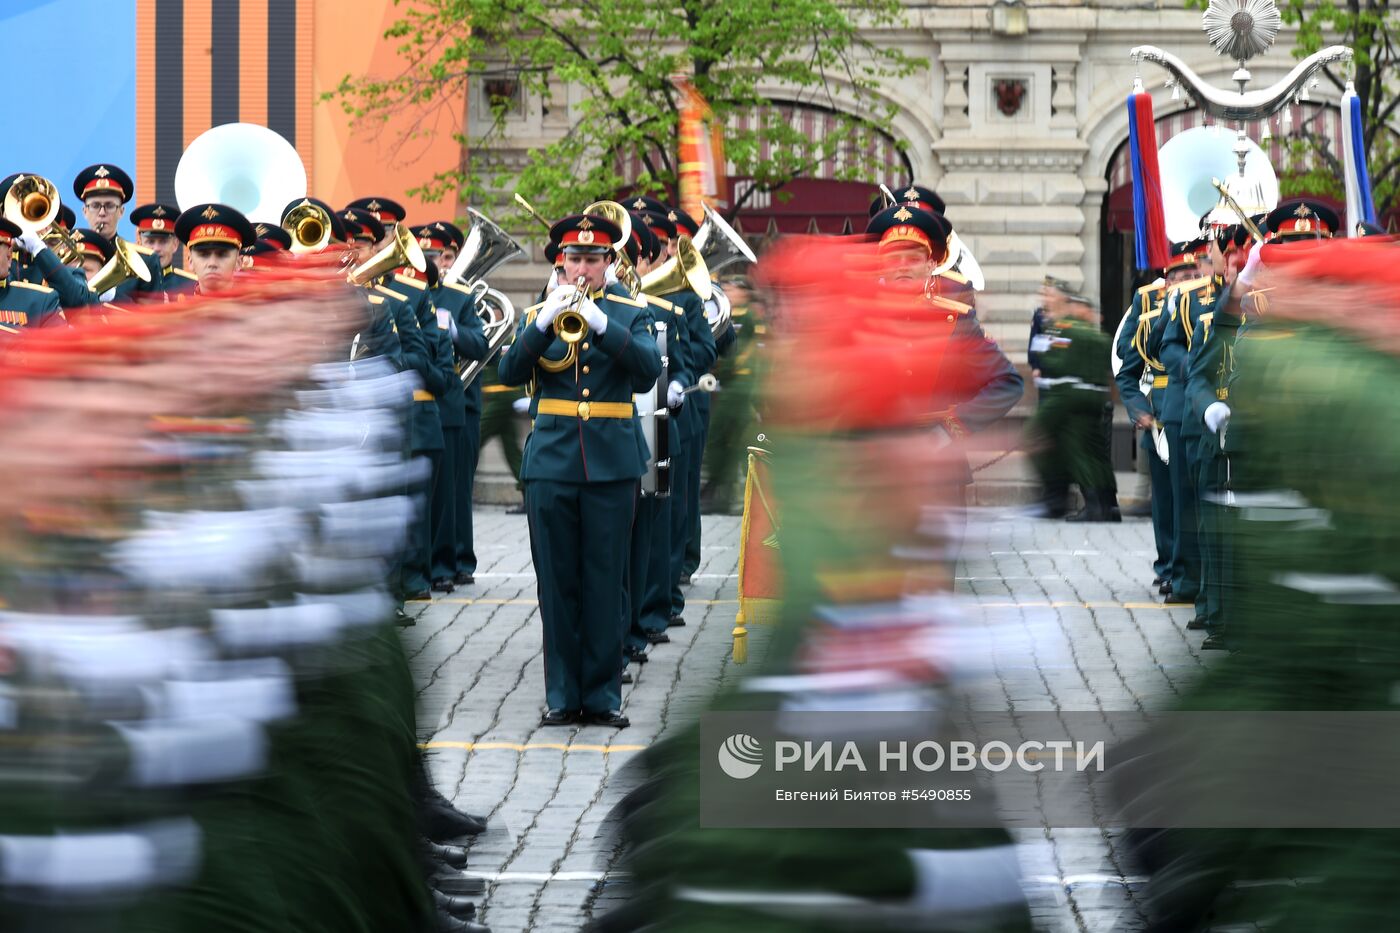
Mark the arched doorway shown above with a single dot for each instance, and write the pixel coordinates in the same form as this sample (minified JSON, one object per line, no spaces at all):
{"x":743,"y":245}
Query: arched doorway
{"x":1275,"y":134}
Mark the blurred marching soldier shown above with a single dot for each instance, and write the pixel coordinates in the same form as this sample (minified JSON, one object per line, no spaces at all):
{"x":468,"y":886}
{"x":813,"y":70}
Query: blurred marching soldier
{"x":1066,"y":431}
{"x":1166,"y":343}
{"x":215,"y":235}
{"x":582,"y":463}
{"x":913,"y":243}
{"x":104,"y":191}
{"x":454,"y":557}
{"x":650,"y":570}
{"x":1141,"y":407}
{"x":23,"y":304}
{"x":733,"y":412}
{"x":270,"y":240}
{"x":155,"y":230}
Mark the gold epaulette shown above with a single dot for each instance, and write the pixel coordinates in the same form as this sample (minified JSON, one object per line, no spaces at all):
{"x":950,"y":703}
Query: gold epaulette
{"x":32,"y":286}
{"x":391,"y":293}
{"x":143,"y":250}
{"x":185,"y":275}
{"x":1152,"y":288}
{"x":405,"y":280}
{"x":950,"y":304}
{"x":461,"y":288}
{"x":1192,"y":284}
{"x":661,"y":303}
{"x":626,"y":300}
{"x":954,"y":275}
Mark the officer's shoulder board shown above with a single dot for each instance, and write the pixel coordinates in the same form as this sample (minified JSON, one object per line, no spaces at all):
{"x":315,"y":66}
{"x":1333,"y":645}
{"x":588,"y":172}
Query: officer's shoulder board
{"x":661,"y":303}
{"x":390,"y":292}
{"x":627,"y":300}
{"x":414,"y":283}
{"x":1191,"y":285}
{"x":954,"y":275}
{"x":943,"y":303}
{"x":32,"y":286}
{"x":1152,"y":289}
{"x":456,"y":287}
{"x":184,"y":275}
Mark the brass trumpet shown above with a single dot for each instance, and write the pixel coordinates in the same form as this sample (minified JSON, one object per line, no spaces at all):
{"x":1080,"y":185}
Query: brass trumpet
{"x":126,"y":263}
{"x":570,"y":327}
{"x":32,"y":205}
{"x":402,"y":250}
{"x":309,"y":227}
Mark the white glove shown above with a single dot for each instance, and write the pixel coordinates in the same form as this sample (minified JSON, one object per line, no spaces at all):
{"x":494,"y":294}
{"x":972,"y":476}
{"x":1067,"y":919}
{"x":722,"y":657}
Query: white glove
{"x":1251,"y":266}
{"x":556,"y":302}
{"x":597,"y":320}
{"x":108,"y":295}
{"x":31,"y":243}
{"x":1217,"y":416}
{"x":521,"y":405}
{"x":675,"y":395}
{"x":941,"y":438}
{"x":610,"y":277}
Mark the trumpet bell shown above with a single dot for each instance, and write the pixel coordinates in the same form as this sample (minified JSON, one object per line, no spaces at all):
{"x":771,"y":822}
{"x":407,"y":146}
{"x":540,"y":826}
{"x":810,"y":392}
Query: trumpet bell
{"x":309,"y":227}
{"x":617,"y":214}
{"x":126,"y":263}
{"x":402,"y":250}
{"x":31,"y":203}
{"x":1190,"y":161}
{"x":720,"y":245}
{"x":570,"y":326}
{"x":685,"y":270}
{"x":248,"y":167}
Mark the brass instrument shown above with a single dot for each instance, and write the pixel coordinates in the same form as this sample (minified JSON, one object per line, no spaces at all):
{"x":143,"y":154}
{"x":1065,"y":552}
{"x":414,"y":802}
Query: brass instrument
{"x":1234,"y":205}
{"x":720,"y":245}
{"x":249,"y":167}
{"x":486,"y":248}
{"x":1191,"y":161}
{"x":402,"y":250}
{"x":685,"y":270}
{"x":32,"y":205}
{"x":618,"y":216}
{"x":531,"y":211}
{"x":570,"y":327}
{"x":126,"y":263}
{"x":309,"y":227}
{"x":498,"y":319}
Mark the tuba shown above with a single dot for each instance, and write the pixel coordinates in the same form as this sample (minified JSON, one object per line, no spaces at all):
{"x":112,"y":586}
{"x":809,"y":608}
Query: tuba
{"x":32,"y":205}
{"x":685,"y":270}
{"x":617,"y":214}
{"x":402,"y":250}
{"x":487,"y":247}
{"x":719,"y":244}
{"x":498,"y":319}
{"x":248,"y":167}
{"x":1192,"y":160}
{"x":126,"y":263}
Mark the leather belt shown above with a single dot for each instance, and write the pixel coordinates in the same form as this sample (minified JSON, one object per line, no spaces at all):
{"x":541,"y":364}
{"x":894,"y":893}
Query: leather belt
{"x":1159,"y":382}
{"x":585,"y":410}
{"x":423,"y":395}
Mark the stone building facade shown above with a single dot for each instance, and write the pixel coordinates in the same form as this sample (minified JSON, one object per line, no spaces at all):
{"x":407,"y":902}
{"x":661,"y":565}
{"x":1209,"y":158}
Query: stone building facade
{"x":1016,"y":122}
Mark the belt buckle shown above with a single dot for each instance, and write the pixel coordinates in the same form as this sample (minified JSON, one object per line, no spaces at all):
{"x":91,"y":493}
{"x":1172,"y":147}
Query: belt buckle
{"x":583,"y":410}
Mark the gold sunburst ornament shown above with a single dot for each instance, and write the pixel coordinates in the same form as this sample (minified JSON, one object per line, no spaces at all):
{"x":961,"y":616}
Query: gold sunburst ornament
{"x":1241,"y":29}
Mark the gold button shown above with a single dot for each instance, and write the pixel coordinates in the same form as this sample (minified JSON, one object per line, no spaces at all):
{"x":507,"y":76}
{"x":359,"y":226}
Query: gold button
{"x":585,"y":370}
{"x":583,"y":410}
{"x":585,"y":345}
{"x":585,"y":393}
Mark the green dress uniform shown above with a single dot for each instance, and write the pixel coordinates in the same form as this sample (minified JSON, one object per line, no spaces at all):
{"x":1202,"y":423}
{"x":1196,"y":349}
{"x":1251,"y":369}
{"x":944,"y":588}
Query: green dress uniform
{"x":1167,"y":343}
{"x":414,"y":320}
{"x":650,"y":579}
{"x":732,"y":411}
{"x":469,"y":344}
{"x":697,"y":357}
{"x":581,"y":465}
{"x":1066,"y":427}
{"x":1147,"y":301}
{"x":1209,"y":372}
{"x":724,"y":345}
{"x":108,"y":179}
{"x":24,"y":305}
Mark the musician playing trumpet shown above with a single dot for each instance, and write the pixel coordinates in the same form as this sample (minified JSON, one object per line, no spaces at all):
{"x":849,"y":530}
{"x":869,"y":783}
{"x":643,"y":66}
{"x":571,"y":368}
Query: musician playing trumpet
{"x":582,"y":462}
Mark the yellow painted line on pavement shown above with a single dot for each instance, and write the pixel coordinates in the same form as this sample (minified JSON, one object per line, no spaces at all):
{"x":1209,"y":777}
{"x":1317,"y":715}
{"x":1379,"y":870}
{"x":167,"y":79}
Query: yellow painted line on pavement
{"x":1042,"y":604}
{"x":533,"y":746}
{"x":486,"y":601}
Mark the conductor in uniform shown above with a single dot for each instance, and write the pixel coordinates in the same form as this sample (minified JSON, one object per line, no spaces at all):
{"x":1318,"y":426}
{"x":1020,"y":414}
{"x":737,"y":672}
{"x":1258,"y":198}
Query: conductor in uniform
{"x":581,"y":466}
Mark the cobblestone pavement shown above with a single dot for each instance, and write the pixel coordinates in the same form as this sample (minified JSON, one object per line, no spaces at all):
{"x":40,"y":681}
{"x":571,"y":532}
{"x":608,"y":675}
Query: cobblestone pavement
{"x":1089,"y":634}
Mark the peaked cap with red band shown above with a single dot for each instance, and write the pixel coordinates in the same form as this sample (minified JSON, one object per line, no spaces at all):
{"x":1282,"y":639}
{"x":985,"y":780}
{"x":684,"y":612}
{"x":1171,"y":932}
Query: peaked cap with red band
{"x":103,"y":178}
{"x":584,"y":233}
{"x":1299,"y":218}
{"x":214,"y":224}
{"x":361,"y":225}
{"x":386,"y":211}
{"x":93,"y":245}
{"x":903,"y":224}
{"x":156,"y":218}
